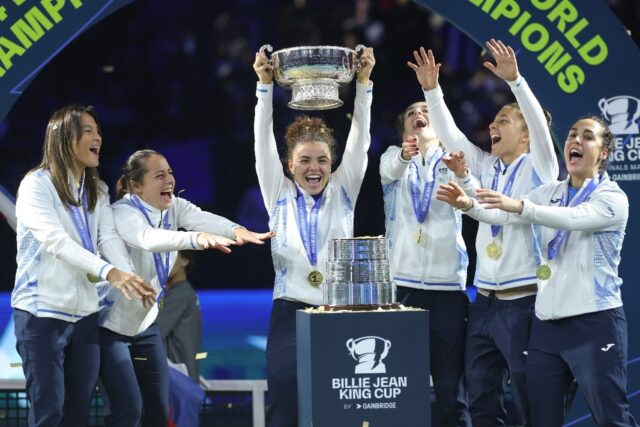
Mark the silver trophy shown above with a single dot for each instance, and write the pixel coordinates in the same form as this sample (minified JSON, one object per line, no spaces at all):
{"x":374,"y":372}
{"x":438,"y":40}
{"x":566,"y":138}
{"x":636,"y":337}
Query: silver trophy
{"x":314,"y":73}
{"x":358,"y":274}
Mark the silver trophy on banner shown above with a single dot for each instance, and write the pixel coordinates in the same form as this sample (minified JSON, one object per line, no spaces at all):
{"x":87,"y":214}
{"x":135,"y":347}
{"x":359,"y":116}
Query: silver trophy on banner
{"x":358,"y":274}
{"x":314,"y":73}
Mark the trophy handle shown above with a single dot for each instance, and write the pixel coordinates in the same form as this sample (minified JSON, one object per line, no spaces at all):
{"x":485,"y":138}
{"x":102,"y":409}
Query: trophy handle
{"x":359,"y":49}
{"x":267,"y":48}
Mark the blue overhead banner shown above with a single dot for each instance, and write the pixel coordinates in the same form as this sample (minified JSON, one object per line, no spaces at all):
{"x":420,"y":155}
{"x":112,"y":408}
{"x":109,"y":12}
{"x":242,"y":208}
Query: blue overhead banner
{"x":33,"y":32}
{"x":578,"y":59}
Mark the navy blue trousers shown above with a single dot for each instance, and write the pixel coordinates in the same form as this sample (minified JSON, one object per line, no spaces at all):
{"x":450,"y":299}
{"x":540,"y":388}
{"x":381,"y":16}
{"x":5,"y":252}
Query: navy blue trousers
{"x":592,"y":348}
{"x":60,"y":361}
{"x":497,"y":346}
{"x":447,"y":331}
{"x":282,"y":374}
{"x":134,"y":373}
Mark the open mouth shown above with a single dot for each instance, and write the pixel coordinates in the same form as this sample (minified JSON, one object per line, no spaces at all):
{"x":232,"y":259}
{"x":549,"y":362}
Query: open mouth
{"x":166,"y":196}
{"x":95,"y":150}
{"x":420,"y":123}
{"x":495,"y":139}
{"x":574,"y":154}
{"x":313,"y":179}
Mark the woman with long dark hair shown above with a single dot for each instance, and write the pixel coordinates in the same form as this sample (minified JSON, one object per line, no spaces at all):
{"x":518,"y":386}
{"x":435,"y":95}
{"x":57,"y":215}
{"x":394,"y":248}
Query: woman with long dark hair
{"x":65,"y":224}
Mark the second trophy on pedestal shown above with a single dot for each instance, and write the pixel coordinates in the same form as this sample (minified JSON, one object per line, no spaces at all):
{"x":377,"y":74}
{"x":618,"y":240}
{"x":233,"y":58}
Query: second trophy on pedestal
{"x":358,"y":275}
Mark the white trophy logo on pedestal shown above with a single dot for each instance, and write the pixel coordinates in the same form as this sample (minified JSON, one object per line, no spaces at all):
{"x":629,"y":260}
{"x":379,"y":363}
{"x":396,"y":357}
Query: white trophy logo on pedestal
{"x":369,"y":352}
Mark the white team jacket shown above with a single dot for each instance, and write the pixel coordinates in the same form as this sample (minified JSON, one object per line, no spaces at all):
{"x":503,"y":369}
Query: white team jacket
{"x":51,"y":279}
{"x":516,"y":266}
{"x":431,"y":255}
{"x":584,"y":273}
{"x":130,"y":317}
{"x":290,"y":259}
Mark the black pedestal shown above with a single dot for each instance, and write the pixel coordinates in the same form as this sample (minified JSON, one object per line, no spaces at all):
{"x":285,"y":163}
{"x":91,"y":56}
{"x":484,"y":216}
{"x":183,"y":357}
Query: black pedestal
{"x":363,"y":369}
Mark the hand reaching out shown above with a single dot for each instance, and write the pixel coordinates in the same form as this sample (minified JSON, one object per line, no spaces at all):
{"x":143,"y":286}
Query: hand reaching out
{"x":132,"y":286}
{"x":212,"y":241}
{"x":506,"y":65}
{"x":456,"y":163}
{"x":245,"y":236}
{"x":427,"y":71}
{"x":453,"y":194}
{"x":494,"y":200}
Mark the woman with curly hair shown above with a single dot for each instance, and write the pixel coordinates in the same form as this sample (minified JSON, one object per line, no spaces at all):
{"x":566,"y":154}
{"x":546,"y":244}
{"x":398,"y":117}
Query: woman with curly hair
{"x":306,"y":209}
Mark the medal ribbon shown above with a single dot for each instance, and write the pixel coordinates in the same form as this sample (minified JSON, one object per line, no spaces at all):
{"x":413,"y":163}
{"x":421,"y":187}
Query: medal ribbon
{"x":508,"y":187}
{"x":561,"y":235}
{"x":421,"y":204}
{"x":309,"y":228}
{"x":162,"y":266}
{"x":82,"y":222}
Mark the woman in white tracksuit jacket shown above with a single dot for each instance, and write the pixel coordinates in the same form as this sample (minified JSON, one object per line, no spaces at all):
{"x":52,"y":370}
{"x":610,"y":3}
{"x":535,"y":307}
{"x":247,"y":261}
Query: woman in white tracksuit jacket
{"x":579,"y":330}
{"x":428,"y":257}
{"x":148,"y":216}
{"x":522,"y":158}
{"x":64,"y":226}
{"x":305,"y":212}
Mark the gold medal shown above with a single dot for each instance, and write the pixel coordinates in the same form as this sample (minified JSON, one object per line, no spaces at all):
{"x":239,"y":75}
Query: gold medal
{"x":93,"y":278}
{"x":543,"y":272}
{"x":161,"y":303}
{"x":315,"y":278}
{"x":493,"y":250}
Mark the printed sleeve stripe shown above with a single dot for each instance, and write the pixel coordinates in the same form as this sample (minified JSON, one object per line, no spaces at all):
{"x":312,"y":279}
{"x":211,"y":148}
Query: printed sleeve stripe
{"x":102,"y":271}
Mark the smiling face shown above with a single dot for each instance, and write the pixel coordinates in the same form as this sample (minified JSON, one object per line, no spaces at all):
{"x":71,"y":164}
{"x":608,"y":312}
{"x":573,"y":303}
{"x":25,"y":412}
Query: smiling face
{"x":584,"y":151}
{"x":416,"y":122}
{"x":310,"y":165}
{"x":157,"y":183}
{"x":509,"y":137}
{"x":86,"y":148}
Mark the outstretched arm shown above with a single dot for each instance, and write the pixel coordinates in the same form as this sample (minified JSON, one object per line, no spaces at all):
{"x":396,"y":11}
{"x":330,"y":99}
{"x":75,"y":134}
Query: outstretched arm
{"x":543,"y":156}
{"x":608,"y":211}
{"x":453,"y":194}
{"x":427,"y":72}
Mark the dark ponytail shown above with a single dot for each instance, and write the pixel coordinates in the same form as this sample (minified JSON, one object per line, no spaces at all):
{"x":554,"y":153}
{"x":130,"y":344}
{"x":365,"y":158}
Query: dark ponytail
{"x":133,"y":170}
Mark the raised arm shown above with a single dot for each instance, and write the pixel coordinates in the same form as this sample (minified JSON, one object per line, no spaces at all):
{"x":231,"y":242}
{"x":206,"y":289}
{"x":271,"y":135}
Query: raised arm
{"x":268,"y":167}
{"x":543,"y":156}
{"x":427,"y":72}
{"x":351,"y":171}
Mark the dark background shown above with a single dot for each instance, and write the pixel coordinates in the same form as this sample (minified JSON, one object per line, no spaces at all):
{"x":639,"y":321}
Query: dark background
{"x":177,"y":77}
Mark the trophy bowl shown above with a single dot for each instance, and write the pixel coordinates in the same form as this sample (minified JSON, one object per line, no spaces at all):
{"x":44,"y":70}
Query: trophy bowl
{"x":314,"y":73}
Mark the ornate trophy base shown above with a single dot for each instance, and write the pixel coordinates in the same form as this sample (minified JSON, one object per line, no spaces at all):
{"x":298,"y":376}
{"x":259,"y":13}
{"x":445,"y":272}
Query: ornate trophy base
{"x":314,"y":95}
